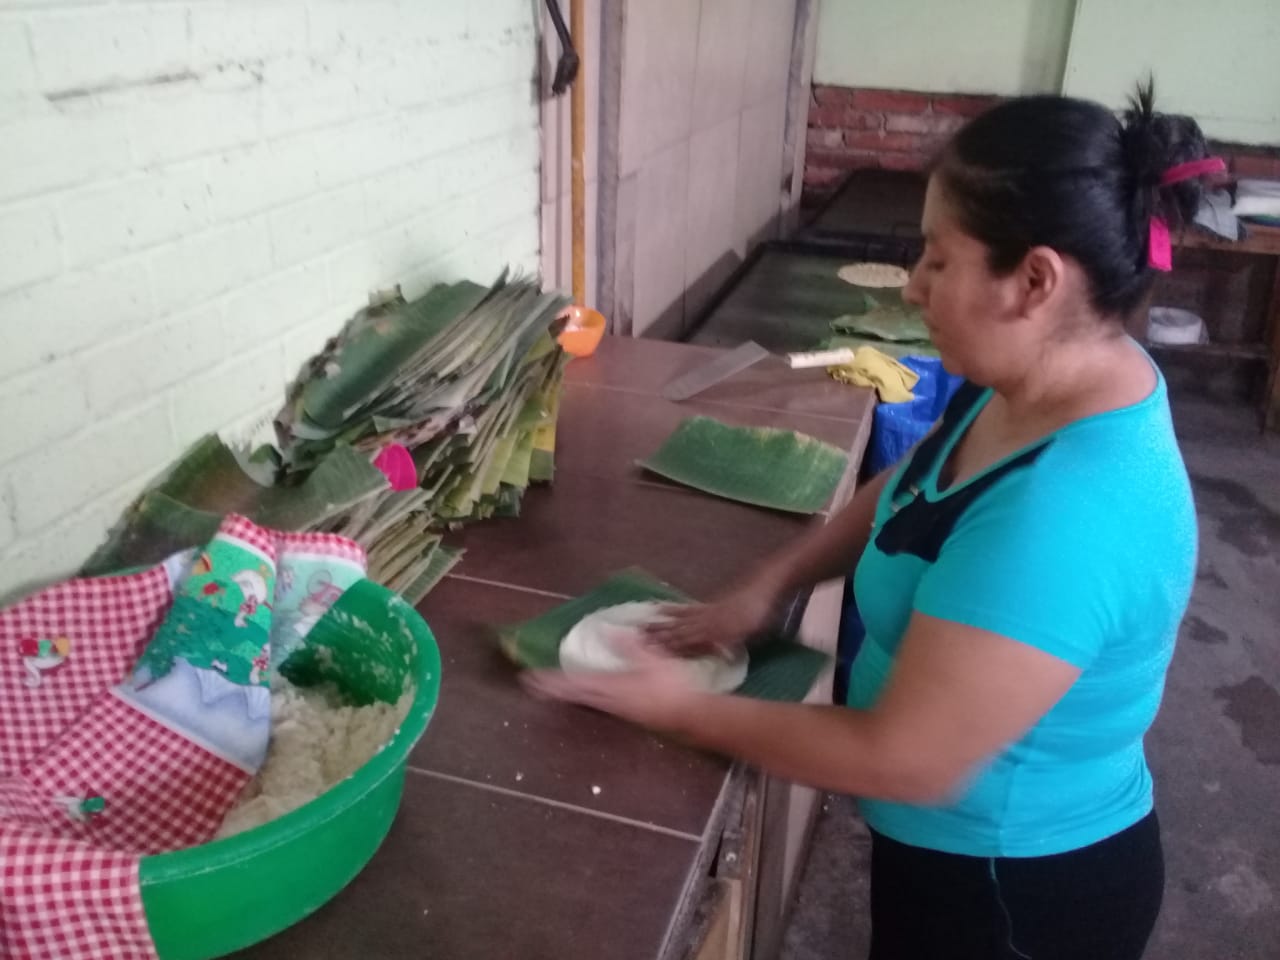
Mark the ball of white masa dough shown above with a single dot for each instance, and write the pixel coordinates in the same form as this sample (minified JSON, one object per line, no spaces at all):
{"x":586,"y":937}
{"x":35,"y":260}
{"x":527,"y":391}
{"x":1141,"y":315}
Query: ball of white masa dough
{"x":589,"y":647}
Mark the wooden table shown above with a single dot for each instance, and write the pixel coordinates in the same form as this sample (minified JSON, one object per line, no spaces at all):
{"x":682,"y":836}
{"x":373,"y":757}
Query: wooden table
{"x":541,"y":831}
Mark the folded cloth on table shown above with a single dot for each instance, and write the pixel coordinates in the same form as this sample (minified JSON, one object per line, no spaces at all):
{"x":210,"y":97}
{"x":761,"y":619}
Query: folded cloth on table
{"x":871,"y":368}
{"x":1215,"y":215}
{"x":1257,"y":198}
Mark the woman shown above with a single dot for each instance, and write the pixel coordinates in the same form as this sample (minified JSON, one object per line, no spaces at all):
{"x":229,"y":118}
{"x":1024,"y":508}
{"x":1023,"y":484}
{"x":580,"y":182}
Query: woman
{"x":1021,"y":576}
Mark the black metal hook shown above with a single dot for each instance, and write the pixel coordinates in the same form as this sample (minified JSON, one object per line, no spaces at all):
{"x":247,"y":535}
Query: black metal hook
{"x":567,"y":65}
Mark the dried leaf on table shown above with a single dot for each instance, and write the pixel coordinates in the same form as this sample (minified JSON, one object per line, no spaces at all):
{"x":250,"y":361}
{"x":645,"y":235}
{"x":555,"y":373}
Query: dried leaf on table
{"x":415,"y":584}
{"x":411,"y":552}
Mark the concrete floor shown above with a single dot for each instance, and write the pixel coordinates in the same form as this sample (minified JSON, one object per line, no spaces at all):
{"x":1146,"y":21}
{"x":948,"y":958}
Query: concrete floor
{"x":1215,"y":748}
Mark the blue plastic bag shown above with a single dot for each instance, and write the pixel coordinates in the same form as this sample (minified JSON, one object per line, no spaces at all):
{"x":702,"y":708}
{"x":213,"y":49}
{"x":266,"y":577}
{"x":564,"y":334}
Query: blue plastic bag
{"x":897,"y":427}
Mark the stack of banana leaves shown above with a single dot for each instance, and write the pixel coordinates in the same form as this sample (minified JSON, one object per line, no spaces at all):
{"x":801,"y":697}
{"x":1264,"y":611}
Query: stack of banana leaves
{"x":466,"y":378}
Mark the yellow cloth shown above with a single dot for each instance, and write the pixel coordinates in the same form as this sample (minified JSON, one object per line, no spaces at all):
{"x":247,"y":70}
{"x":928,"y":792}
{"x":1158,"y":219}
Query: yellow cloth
{"x":871,"y":368}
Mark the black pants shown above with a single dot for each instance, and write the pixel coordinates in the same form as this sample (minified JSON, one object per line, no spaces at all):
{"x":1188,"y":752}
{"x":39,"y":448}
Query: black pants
{"x":1096,"y":903}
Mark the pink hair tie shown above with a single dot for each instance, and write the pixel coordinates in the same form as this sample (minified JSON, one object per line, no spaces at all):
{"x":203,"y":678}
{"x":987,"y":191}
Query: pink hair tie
{"x":1159,"y":243}
{"x":1193,"y":168}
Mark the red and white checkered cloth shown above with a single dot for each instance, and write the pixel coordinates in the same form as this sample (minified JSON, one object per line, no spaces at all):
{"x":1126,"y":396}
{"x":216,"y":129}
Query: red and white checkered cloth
{"x":69,"y":889}
{"x":62,"y":898}
{"x":66,"y":900}
{"x":69,"y":885}
{"x":163,"y":791}
{"x":248,"y":532}
{"x":323,"y":544}
{"x":108,"y":622}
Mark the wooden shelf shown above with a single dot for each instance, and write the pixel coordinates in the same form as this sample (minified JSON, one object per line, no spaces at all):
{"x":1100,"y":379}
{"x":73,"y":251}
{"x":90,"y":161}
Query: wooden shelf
{"x":1260,"y":239}
{"x":1232,"y":351}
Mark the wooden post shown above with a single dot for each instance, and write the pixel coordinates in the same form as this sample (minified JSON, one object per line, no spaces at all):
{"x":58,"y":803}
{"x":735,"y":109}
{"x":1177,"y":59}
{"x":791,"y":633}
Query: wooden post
{"x":1271,"y":400}
{"x":578,"y":147}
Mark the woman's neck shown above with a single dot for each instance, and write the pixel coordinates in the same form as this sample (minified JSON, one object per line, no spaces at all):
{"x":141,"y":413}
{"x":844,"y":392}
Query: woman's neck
{"x":1070,"y":380}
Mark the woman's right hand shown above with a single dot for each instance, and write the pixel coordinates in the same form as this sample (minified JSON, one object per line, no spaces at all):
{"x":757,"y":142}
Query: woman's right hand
{"x":721,"y":626}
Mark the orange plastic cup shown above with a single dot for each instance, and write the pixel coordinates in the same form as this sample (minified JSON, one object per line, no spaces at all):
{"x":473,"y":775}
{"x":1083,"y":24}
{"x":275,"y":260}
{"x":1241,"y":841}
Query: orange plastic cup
{"x":582,"y":333}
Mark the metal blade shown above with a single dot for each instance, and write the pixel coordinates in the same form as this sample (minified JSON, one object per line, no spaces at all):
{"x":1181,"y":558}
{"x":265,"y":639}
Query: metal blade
{"x":713,"y":371}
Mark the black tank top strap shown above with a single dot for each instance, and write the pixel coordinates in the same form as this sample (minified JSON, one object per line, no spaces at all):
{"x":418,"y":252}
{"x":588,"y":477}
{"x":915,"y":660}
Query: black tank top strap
{"x":962,"y":402}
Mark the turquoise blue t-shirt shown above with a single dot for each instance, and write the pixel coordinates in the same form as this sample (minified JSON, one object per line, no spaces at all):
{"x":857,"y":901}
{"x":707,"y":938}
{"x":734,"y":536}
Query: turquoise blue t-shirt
{"x":1083,"y":546}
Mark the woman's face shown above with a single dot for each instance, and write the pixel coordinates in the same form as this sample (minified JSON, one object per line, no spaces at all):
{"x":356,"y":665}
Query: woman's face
{"x":968,"y":309}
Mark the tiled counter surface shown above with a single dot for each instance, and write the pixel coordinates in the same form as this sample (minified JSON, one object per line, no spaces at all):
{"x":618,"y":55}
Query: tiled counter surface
{"x":540,"y":831}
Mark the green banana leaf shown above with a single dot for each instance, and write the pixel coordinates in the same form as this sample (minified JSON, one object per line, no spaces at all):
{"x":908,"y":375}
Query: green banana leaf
{"x":863,"y":301}
{"x":542,"y":462}
{"x":153,"y":527}
{"x":895,"y":350}
{"x":416,"y":583}
{"x":508,"y":502}
{"x":185,"y":507}
{"x":467,"y":377}
{"x":378,"y":345}
{"x":390,"y":511}
{"x":779,"y":669}
{"x":417,"y":545}
{"x":899,"y":324}
{"x":516,"y":473}
{"x":779,"y":469}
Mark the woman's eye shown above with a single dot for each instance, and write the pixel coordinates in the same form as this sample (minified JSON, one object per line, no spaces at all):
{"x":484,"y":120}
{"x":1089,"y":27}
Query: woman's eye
{"x":933,"y":265}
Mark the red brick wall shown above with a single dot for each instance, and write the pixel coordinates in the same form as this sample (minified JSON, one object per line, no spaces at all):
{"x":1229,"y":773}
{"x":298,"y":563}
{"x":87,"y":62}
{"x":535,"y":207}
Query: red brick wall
{"x":853,"y":129}
{"x":857,"y":128}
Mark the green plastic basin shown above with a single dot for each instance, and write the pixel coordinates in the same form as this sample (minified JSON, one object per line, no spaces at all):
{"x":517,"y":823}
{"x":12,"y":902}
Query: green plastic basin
{"x":214,"y":899}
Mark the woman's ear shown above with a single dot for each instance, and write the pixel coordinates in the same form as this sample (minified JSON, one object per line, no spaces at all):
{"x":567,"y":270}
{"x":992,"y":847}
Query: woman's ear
{"x":1042,"y":276}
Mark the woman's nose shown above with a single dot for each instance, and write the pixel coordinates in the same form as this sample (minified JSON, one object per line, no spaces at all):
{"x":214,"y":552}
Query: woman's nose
{"x":913,"y":292}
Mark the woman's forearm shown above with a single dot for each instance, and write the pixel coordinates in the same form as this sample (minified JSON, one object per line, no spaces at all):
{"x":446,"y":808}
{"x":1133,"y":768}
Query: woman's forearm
{"x":827,"y":747}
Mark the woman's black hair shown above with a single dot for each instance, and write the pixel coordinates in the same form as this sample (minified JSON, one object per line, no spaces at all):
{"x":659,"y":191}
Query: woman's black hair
{"x":1068,"y":174}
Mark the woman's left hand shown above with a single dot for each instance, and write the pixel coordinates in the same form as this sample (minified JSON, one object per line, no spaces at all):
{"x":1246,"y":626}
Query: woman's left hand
{"x":655,"y":691}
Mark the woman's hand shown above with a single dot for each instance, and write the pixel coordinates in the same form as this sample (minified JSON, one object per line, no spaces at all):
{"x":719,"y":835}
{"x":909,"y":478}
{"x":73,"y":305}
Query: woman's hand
{"x":655,"y":691}
{"x":721,"y":627}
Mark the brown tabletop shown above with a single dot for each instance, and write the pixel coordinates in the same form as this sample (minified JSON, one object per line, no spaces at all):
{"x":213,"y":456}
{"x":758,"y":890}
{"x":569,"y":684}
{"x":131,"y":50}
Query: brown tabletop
{"x":646,"y":366}
{"x":572,"y":536}
{"x":539,"y":830}
{"x":468,"y":872}
{"x":589,"y":439}
{"x":488,"y":731}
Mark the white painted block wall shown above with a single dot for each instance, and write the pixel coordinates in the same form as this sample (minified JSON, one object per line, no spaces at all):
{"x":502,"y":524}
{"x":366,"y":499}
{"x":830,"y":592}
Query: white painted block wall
{"x":195,"y":195}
